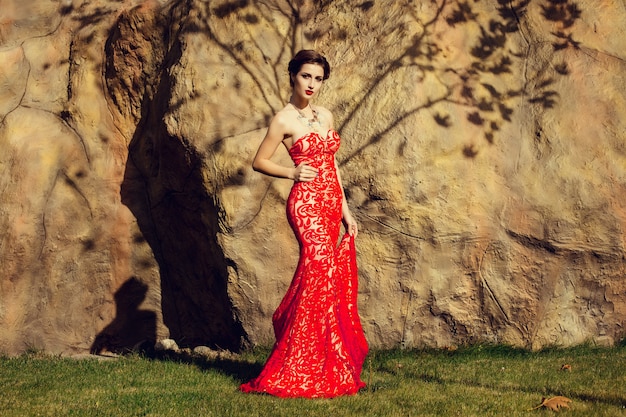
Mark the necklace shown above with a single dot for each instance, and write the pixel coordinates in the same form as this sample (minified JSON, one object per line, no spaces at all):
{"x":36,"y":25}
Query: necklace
{"x":313,"y":123}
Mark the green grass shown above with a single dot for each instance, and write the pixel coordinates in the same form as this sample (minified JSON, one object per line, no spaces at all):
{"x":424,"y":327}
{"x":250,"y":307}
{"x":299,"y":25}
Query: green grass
{"x":474,"y":381}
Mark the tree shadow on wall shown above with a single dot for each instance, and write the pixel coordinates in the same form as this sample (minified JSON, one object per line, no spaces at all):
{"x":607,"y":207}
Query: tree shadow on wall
{"x":484,"y":104}
{"x":507,"y":67}
{"x":164,"y":185}
{"x":132,"y":329}
{"x":467,"y":88}
{"x":242,"y":51}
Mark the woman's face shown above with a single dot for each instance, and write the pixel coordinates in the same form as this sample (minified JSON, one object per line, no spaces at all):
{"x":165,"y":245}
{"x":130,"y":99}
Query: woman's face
{"x":308,"y":81}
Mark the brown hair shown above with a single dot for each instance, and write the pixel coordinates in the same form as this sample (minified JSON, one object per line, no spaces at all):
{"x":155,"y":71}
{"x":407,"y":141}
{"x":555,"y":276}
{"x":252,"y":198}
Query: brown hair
{"x":307,"y":56}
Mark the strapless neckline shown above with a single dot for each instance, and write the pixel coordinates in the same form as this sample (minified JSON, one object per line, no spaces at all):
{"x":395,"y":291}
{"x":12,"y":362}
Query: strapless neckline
{"x":312,"y":132}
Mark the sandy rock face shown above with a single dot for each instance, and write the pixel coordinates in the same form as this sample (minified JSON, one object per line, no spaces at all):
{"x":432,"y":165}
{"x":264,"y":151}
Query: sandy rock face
{"x":73,"y":260}
{"x":483,"y":155}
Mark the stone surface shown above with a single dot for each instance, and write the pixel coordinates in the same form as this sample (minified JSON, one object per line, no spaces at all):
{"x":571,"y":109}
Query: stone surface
{"x":483,"y":155}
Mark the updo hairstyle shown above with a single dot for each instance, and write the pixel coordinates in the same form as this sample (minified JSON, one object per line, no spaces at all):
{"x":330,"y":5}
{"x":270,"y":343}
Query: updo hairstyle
{"x":307,"y":56}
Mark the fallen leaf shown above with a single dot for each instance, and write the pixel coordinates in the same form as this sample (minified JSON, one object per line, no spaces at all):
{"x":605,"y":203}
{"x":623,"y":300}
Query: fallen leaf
{"x":554,"y":403}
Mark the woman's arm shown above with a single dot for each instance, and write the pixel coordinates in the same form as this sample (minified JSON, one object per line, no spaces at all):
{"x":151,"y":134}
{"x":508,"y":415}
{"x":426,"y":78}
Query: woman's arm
{"x":262,"y":162}
{"x":273,"y":138}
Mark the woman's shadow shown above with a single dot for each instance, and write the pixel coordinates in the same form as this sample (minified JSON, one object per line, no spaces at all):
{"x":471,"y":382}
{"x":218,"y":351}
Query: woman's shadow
{"x":132,"y":329}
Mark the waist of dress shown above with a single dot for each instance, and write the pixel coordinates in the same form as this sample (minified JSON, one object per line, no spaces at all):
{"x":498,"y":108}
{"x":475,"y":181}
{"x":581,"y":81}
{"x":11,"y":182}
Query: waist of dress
{"x":323,"y":181}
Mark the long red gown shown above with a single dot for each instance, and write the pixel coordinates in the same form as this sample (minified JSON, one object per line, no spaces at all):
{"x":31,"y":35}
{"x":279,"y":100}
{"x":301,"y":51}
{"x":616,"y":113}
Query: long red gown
{"x":320,"y":345}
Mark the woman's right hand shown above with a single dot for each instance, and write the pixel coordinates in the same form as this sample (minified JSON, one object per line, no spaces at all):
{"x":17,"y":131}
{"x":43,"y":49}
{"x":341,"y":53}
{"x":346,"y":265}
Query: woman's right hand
{"x":304,"y":173}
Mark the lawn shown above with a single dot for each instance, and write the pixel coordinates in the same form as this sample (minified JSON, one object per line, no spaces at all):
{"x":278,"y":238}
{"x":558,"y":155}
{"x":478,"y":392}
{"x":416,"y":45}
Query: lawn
{"x":473,"y":381}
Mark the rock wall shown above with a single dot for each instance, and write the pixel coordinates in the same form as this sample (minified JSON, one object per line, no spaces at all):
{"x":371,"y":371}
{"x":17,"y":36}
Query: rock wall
{"x":483,"y":154}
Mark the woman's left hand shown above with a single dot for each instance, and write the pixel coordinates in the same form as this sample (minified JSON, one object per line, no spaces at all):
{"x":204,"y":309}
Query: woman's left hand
{"x":350,"y":225}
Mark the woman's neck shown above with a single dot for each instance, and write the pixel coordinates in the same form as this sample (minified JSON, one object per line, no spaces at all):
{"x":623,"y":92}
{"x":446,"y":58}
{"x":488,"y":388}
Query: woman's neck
{"x":299,"y":102}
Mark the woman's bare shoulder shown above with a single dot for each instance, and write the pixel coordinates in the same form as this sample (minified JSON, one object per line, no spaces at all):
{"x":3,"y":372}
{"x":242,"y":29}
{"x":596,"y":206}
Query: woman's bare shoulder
{"x":282,"y":124}
{"x":284,"y":116}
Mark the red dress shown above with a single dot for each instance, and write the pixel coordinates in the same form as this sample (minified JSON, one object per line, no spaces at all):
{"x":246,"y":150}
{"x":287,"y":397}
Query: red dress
{"x":320,"y":345}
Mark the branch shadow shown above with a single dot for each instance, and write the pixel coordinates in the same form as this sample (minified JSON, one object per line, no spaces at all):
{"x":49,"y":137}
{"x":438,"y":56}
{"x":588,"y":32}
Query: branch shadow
{"x":486,"y":106}
{"x":240,"y":51}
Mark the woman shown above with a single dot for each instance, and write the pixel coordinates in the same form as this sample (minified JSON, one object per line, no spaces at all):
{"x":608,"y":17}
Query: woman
{"x":320,"y":346}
